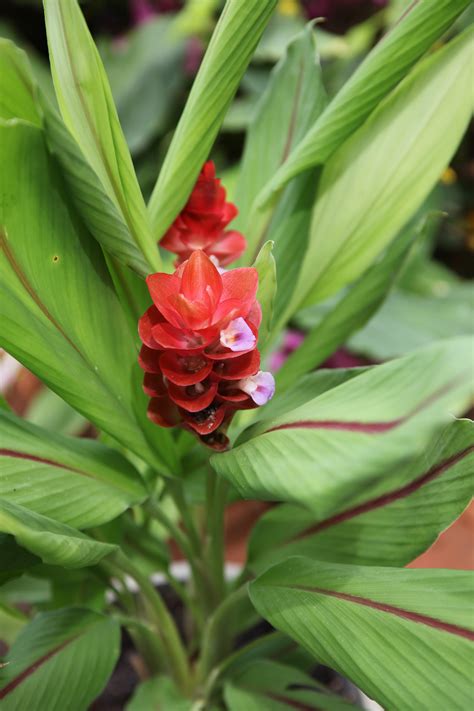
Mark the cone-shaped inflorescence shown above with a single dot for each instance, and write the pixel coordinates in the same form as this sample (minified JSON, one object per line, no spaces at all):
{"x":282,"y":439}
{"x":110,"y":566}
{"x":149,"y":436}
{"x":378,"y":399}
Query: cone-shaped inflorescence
{"x":199,"y":351}
{"x":202,"y":223}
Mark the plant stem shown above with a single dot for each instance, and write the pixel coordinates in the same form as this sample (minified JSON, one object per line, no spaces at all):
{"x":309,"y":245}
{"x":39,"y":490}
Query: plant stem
{"x":175,"y":653}
{"x":185,"y":546}
{"x":215,"y":505}
{"x":216,"y":635}
{"x":175,"y":487}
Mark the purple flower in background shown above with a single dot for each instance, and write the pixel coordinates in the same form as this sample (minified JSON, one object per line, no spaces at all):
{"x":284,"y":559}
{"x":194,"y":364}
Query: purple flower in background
{"x":291,"y":341}
{"x":340,"y":15}
{"x":342,"y":358}
{"x":144,"y":10}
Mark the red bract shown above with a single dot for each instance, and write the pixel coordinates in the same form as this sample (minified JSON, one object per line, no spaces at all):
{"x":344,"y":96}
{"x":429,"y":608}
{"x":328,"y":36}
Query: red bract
{"x":199,"y":350}
{"x":202,"y":222}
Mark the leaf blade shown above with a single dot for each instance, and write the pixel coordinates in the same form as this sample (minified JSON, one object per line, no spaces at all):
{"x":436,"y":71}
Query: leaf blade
{"x":319,"y":604}
{"x":89,"y":113}
{"x":233,"y":42}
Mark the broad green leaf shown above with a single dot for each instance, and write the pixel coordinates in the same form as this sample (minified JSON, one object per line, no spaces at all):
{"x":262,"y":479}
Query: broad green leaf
{"x":61,"y":660}
{"x":308,"y":387}
{"x":391,"y":529}
{"x":158,"y":693}
{"x":230,"y":50}
{"x":267,"y":288}
{"x":94,"y":204}
{"x":75,"y":481}
{"x":410,"y":631}
{"x":292,"y":101}
{"x":381,"y":71}
{"x":17,"y":97}
{"x":89,"y":113}
{"x":394,"y":159}
{"x":60,"y":315}
{"x":53,"y":542}
{"x":327,"y":453}
{"x":266,"y":685}
{"x":353,"y":310}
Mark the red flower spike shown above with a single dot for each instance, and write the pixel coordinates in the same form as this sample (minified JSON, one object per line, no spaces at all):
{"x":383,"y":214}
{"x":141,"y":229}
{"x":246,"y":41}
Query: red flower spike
{"x":200,"y":352}
{"x":184,"y":369}
{"x":202,"y":222}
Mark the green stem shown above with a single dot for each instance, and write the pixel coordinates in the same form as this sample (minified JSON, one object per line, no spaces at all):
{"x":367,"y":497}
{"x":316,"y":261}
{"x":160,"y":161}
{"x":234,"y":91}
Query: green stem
{"x":185,"y":546}
{"x":216,"y":637}
{"x":216,"y":501}
{"x":171,"y":641}
{"x":261,"y":647}
{"x":175,"y":487}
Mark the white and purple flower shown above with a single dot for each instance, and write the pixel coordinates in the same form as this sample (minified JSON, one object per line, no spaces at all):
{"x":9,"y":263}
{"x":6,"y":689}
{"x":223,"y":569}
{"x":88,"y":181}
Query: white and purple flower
{"x":260,"y":387}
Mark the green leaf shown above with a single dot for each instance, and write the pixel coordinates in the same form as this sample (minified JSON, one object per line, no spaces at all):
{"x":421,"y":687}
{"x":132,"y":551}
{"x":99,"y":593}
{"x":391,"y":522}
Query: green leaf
{"x":17,"y":92}
{"x":326,"y":453}
{"x":410,"y":631}
{"x":292,"y":101}
{"x":89,"y":113}
{"x":407,"y":321}
{"x":158,"y":693}
{"x":394,"y":159}
{"x":75,"y":481}
{"x":230,"y":50}
{"x":11,"y":622}
{"x":381,"y":71}
{"x":388,"y":529}
{"x":48,"y":410}
{"x":61,"y":660}
{"x":95,"y":206}
{"x":353,"y":310}
{"x":308,"y":387}
{"x":266,"y":685}
{"x":60,"y":315}
{"x":53,"y":542}
{"x":267,"y":288}
{"x":146,"y":76}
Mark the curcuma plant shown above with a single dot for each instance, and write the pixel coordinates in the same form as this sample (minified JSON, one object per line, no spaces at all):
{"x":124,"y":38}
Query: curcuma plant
{"x":165,"y":350}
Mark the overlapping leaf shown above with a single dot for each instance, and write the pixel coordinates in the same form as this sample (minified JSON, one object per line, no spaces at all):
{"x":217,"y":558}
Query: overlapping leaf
{"x":391,"y":529}
{"x":89,"y":114}
{"x":394,"y":160}
{"x":53,"y":542}
{"x":146,"y":76}
{"x":230,"y":50}
{"x":266,"y":685}
{"x":77,"y":482}
{"x":381,"y":71}
{"x":61,"y":660}
{"x":425,"y":615}
{"x":327,"y":453}
{"x":17,"y":98}
{"x":294,"y":98}
{"x":60,"y":314}
{"x":353,"y":310}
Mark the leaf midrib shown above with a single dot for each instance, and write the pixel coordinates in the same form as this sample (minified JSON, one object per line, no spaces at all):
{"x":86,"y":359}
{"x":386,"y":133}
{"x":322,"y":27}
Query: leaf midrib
{"x":416,"y":617}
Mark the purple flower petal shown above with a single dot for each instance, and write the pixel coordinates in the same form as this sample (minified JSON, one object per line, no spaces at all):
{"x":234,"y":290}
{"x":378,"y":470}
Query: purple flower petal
{"x":238,"y":336}
{"x":260,"y":387}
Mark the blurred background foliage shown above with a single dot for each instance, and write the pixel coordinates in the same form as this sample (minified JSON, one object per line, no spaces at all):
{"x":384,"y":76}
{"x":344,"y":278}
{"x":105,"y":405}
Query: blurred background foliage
{"x":152,"y":50}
